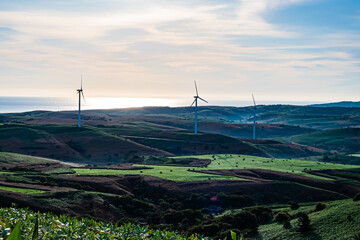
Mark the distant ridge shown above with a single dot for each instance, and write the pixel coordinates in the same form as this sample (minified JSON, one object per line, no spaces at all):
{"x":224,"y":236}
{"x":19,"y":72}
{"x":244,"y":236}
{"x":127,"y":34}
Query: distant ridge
{"x":347,"y":104}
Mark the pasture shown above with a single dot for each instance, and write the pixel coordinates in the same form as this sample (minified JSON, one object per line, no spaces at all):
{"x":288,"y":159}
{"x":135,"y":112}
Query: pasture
{"x":218,"y":162}
{"x":232,"y":161}
{"x":166,"y":172}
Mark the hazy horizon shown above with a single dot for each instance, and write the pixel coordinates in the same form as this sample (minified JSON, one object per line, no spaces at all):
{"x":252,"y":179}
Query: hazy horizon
{"x":24,"y":104}
{"x":280,"y":50}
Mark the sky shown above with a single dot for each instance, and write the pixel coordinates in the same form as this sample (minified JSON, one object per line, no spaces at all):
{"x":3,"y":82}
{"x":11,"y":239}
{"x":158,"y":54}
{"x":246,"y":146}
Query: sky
{"x":279,"y":50}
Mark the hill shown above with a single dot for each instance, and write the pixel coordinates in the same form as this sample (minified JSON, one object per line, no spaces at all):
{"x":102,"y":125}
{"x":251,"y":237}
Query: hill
{"x":303,"y":116}
{"x":347,"y":104}
{"x":345,"y":140}
{"x":103,"y":144}
{"x":339,"y":220}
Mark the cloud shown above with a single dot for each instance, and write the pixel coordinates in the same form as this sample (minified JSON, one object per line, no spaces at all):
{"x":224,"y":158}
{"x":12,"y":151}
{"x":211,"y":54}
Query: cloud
{"x":131,"y":44}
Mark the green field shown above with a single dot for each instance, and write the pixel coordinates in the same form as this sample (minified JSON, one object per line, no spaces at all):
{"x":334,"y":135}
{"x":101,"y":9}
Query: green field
{"x":21,"y":190}
{"x":355,"y":155}
{"x":339,"y":220}
{"x":177,"y":173}
{"x":221,"y":161}
{"x":282,"y":165}
{"x":2,"y":172}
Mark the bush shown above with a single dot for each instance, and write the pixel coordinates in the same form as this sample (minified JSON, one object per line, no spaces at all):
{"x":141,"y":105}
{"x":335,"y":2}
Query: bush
{"x":303,"y":223}
{"x":320,"y":206}
{"x":357,"y":197}
{"x":263,"y":214}
{"x":294,"y":206}
{"x":281,"y":217}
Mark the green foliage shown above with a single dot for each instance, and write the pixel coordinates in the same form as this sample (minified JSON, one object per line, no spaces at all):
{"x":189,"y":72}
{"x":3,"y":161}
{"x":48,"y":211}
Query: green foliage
{"x":15,"y":233}
{"x":35,"y":234}
{"x":49,"y":226}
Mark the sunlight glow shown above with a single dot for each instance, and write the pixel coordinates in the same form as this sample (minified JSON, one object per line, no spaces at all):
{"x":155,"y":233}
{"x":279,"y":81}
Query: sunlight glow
{"x":109,"y":103}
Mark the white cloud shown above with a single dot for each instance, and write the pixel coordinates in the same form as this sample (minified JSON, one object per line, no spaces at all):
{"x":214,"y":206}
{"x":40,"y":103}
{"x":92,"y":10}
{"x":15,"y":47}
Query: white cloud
{"x":175,"y":40}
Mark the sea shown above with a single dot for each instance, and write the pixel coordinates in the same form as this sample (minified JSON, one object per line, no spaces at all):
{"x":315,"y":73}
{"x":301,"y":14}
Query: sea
{"x":27,"y":104}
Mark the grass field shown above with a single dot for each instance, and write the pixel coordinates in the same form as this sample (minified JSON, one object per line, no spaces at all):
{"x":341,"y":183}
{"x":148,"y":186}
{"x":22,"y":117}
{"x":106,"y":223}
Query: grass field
{"x":2,"y":172}
{"x":339,"y":220}
{"x":355,"y":155}
{"x":222,"y":161}
{"x":21,"y":190}
{"x":165,"y":172}
{"x":282,"y":165}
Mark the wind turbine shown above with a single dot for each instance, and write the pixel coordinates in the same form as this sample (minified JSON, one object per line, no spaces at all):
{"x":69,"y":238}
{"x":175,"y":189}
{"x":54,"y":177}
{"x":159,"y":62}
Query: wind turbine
{"x":196,"y":106}
{"x":81,"y":93}
{"x":254,"y":112}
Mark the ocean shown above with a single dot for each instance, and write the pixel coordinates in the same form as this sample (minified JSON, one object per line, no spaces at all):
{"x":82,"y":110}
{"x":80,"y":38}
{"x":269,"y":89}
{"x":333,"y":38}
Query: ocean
{"x":26,"y":104}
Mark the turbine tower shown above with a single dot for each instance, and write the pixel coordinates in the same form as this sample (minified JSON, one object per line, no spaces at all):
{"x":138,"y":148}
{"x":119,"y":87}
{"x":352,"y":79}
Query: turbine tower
{"x":80,"y":92}
{"x":196,"y":106}
{"x":254,"y":112}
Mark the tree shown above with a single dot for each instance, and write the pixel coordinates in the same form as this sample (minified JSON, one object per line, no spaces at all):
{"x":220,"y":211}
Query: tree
{"x":304,"y":223}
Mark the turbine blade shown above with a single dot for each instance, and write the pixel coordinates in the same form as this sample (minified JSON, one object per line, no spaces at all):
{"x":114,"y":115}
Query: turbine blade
{"x":203,"y":100}
{"x":193,"y":103}
{"x":82,"y":93}
{"x":197,"y":94}
{"x":81,"y":82}
{"x":253,"y":100}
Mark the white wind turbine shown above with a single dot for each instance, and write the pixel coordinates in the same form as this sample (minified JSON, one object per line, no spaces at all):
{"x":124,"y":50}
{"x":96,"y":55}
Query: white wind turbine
{"x":196,"y":106}
{"x":81,"y":93}
{"x":254,"y":112}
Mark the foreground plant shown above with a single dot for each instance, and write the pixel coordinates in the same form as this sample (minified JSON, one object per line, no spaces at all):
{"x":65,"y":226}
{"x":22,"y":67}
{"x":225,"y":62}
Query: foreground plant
{"x":25,"y":224}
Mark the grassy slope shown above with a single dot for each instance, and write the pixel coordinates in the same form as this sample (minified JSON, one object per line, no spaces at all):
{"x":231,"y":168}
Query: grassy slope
{"x":345,"y":140}
{"x":14,"y":158}
{"x":223,"y":162}
{"x":330,"y":223}
{"x":21,"y":190}
{"x":69,"y":143}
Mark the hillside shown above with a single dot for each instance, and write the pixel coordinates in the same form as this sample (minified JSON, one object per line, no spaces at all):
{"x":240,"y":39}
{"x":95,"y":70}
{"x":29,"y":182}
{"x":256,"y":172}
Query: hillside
{"x":346,"y":140}
{"x":116,"y":143}
{"x":303,"y":116}
{"x":339,"y":220}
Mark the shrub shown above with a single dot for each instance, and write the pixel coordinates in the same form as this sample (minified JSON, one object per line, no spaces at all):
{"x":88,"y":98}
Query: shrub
{"x":281,"y":217}
{"x":320,"y":206}
{"x":263,"y":214}
{"x":357,"y":197}
{"x":294,"y":206}
{"x":303,"y":223}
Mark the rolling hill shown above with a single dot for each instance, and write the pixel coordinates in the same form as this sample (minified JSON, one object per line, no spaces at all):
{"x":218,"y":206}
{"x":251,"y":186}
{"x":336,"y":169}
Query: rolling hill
{"x":345,"y":140}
